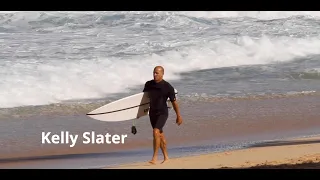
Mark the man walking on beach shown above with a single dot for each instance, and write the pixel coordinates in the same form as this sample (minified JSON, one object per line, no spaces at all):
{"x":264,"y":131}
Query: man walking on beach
{"x":159,"y":91}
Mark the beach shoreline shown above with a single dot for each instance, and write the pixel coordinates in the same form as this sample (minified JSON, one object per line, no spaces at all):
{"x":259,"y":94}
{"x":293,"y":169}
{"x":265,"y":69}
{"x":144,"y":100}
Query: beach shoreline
{"x":208,"y":127}
{"x":291,"y":153}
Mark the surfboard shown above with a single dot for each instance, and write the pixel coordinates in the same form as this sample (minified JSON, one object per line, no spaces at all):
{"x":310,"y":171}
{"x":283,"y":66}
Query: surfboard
{"x":128,"y":108}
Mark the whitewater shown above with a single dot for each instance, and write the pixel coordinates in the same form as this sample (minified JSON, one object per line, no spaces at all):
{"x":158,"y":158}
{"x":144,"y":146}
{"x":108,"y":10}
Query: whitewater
{"x":56,"y":57}
{"x":242,"y":78}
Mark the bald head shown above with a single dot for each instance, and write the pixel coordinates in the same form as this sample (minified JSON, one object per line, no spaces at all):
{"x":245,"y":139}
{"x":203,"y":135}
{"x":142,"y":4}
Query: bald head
{"x":159,"y":68}
{"x":158,"y":73}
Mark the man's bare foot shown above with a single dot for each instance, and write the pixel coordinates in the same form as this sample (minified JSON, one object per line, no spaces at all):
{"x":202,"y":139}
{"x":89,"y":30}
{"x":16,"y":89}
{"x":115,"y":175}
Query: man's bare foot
{"x":153,"y":161}
{"x":165,"y":160}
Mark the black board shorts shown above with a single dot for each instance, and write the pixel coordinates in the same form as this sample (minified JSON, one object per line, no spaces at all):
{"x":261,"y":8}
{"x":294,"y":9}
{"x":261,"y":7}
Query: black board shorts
{"x":158,"y":121}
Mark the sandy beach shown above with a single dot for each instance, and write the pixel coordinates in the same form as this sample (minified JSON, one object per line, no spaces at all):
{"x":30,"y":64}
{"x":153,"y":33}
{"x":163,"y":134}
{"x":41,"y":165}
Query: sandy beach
{"x":243,"y":78}
{"x":208,"y":127}
{"x":293,"y":153}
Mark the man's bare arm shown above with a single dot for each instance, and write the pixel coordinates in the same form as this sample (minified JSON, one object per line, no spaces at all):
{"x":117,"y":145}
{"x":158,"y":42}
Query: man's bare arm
{"x":177,"y":110}
{"x":176,"y":107}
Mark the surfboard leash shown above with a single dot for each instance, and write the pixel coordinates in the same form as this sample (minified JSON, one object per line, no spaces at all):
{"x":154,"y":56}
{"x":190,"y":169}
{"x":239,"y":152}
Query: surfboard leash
{"x":133,"y":128}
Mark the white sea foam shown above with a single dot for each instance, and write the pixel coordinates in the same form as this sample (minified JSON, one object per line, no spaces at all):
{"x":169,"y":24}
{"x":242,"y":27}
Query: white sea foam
{"x":68,"y":61}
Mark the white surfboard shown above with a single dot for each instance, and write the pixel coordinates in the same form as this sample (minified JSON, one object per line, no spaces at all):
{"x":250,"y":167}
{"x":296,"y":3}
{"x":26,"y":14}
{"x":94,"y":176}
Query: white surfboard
{"x":128,"y":108}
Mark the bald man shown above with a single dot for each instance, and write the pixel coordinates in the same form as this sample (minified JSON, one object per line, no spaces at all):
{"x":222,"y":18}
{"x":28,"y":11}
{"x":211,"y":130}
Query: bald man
{"x":159,"y":91}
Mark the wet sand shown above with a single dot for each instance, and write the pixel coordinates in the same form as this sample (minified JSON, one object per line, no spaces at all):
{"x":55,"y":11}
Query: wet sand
{"x":294,"y":153}
{"x":208,"y":127}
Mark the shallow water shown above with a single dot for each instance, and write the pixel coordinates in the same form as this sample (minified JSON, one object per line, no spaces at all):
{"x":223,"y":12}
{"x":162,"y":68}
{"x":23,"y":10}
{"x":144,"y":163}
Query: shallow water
{"x":242,"y":77}
{"x":208,"y":127}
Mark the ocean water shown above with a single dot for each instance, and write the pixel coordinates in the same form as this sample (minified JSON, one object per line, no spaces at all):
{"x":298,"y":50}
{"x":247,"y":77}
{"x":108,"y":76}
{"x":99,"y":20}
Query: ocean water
{"x":93,"y":57}
{"x":242,"y":77}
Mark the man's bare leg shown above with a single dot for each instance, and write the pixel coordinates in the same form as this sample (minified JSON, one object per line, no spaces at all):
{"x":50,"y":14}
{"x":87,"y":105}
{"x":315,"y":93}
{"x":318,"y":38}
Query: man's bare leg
{"x":156,"y":145}
{"x":163,"y":146}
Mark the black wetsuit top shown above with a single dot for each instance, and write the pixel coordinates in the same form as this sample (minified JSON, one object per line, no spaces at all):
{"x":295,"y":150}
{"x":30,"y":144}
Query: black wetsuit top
{"x":158,"y":94}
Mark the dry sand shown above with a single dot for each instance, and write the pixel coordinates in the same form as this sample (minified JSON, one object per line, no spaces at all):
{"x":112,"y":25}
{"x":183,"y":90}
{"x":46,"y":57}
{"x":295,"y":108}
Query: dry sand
{"x":294,"y":153}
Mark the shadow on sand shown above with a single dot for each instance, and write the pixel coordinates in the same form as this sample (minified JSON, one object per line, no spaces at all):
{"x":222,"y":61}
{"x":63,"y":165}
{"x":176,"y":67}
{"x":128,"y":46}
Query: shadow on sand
{"x":300,"y":164}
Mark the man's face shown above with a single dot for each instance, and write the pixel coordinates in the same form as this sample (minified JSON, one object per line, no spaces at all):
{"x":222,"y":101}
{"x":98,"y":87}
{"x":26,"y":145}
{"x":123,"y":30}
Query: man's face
{"x":157,"y":74}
